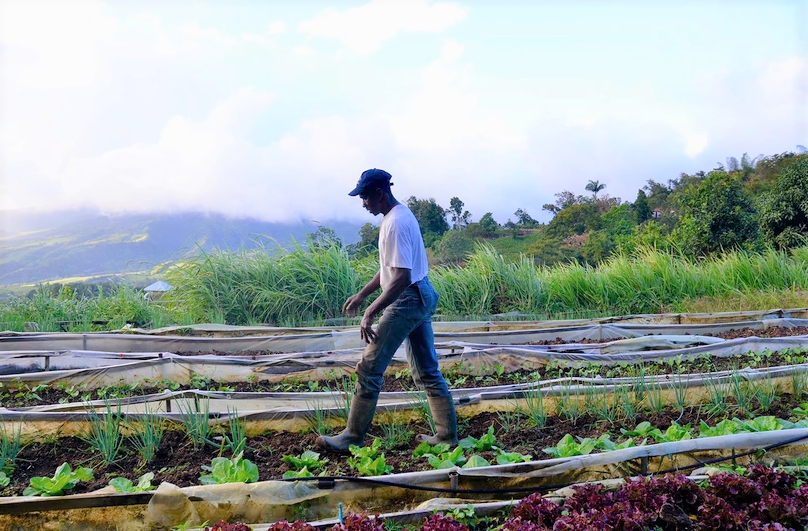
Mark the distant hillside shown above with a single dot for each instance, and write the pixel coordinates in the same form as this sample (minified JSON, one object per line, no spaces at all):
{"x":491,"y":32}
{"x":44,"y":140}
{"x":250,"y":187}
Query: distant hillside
{"x":36,"y":247}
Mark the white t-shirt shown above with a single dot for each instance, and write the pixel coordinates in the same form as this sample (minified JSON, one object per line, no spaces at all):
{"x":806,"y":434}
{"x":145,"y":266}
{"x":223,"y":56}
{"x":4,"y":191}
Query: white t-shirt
{"x":401,"y":245}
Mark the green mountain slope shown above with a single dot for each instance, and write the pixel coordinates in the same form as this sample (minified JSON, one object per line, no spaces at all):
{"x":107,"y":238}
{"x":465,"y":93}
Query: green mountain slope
{"x":36,"y":247}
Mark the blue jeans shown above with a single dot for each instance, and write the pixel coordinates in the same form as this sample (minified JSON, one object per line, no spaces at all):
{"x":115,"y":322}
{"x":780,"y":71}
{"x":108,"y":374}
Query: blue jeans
{"x":408,"y":319}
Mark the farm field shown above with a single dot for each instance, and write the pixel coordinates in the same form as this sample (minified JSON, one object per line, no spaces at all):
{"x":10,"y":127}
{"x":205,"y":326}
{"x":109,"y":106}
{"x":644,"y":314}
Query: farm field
{"x":217,"y":219}
{"x":568,"y":375}
{"x":738,"y":385}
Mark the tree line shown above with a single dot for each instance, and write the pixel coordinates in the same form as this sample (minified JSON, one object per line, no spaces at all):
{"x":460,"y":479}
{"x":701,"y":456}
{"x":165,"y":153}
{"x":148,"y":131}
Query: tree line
{"x":747,"y":203}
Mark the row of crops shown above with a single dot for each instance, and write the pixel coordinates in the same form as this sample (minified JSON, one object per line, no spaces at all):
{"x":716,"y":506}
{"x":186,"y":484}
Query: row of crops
{"x":310,"y":286}
{"x":667,"y":432}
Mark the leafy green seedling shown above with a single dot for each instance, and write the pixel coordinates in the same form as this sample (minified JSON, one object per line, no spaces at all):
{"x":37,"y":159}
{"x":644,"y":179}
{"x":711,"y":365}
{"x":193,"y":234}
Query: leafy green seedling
{"x":758,"y":424}
{"x":235,"y":470}
{"x":801,"y":410}
{"x":302,"y":473}
{"x":126,"y":485}
{"x":4,"y":479}
{"x":307,"y":459}
{"x":486,"y":442}
{"x":467,"y":516}
{"x":506,"y":458}
{"x":609,"y":445}
{"x":447,"y":459}
{"x":365,"y":451}
{"x":367,"y":460}
{"x":567,"y":447}
{"x":643,"y":429}
{"x":475,"y":461}
{"x":425,"y":448}
{"x":725,"y":427}
{"x":676,"y":433}
{"x":64,"y":479}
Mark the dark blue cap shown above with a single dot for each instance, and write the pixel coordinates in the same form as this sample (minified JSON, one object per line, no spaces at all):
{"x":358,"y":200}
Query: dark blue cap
{"x":370,"y":179}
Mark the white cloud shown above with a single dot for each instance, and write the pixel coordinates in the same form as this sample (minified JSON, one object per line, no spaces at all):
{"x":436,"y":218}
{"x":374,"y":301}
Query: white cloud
{"x":54,"y":43}
{"x":762,"y":108}
{"x":304,"y":51}
{"x":191,"y":38}
{"x":366,"y":28}
{"x":210,"y":165}
{"x":276,"y":28}
{"x":443,"y":112}
{"x":98,"y":112}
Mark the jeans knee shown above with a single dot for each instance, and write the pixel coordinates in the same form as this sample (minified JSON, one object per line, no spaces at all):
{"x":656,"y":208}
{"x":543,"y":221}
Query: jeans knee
{"x":435,"y":385}
{"x":368,"y":385}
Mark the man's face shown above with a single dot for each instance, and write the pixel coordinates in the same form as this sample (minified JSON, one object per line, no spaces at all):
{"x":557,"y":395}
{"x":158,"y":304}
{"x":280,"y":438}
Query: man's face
{"x":371,"y":201}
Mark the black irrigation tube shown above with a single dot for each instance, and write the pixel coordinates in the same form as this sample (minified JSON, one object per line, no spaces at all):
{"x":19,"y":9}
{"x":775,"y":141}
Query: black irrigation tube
{"x":325,"y":482}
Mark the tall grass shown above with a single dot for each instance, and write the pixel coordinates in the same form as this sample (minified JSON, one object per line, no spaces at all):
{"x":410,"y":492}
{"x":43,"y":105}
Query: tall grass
{"x":107,"y":310}
{"x":268,"y":286}
{"x":310,"y":284}
{"x":650,"y":281}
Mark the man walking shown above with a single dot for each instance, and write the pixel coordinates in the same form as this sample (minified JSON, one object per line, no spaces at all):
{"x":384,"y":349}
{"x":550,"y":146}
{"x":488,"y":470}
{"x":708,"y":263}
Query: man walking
{"x":407,"y":301}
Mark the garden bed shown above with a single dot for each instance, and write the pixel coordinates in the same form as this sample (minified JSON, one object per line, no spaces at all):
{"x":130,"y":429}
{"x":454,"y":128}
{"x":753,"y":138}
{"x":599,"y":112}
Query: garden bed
{"x":178,"y":462}
{"x":459,"y":376}
{"x":760,"y":499}
{"x":769,"y":332}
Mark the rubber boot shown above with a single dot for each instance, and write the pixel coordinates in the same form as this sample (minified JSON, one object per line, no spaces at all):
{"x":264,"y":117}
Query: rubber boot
{"x":359,"y":418}
{"x":445,"y":419}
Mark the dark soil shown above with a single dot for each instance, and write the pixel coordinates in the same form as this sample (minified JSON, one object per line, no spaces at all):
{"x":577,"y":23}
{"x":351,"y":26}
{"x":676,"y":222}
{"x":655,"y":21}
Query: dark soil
{"x":772,"y":331}
{"x":179,"y":463}
{"x":559,"y":341}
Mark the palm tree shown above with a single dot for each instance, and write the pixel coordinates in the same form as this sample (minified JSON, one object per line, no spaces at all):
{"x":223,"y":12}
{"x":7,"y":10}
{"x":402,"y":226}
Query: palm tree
{"x":595,"y":187}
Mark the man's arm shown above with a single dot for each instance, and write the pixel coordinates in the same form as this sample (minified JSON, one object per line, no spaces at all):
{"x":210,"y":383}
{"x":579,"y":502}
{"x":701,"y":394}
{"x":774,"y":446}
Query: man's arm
{"x":354,"y":302}
{"x":402,"y":279}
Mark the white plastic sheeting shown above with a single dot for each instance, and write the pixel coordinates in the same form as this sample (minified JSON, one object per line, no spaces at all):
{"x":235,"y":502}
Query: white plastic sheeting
{"x":98,"y":369}
{"x":345,"y":338}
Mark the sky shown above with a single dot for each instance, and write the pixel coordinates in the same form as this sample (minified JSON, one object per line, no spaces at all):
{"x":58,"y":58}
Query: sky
{"x":271,"y":109}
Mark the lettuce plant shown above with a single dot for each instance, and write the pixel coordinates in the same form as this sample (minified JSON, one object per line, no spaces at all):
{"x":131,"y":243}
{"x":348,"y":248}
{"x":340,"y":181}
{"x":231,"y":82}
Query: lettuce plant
{"x":235,"y":470}
{"x":725,"y":427}
{"x":297,"y":525}
{"x":359,"y":522}
{"x":765,"y":500}
{"x":224,"y":526}
{"x":439,"y":522}
{"x":425,"y":448}
{"x":506,"y":458}
{"x":368,"y":461}
{"x":308,"y":459}
{"x":643,"y":429}
{"x":759,"y":424}
{"x":486,"y":442}
{"x":447,"y":459}
{"x":801,"y":410}
{"x":476,"y":461}
{"x":676,"y":433}
{"x":567,"y":447}
{"x":536,"y":509}
{"x":63,"y":479}
{"x":126,"y":485}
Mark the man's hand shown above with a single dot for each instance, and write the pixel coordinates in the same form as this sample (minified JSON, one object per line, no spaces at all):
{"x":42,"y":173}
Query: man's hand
{"x":352,"y":305}
{"x":366,"y":327}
